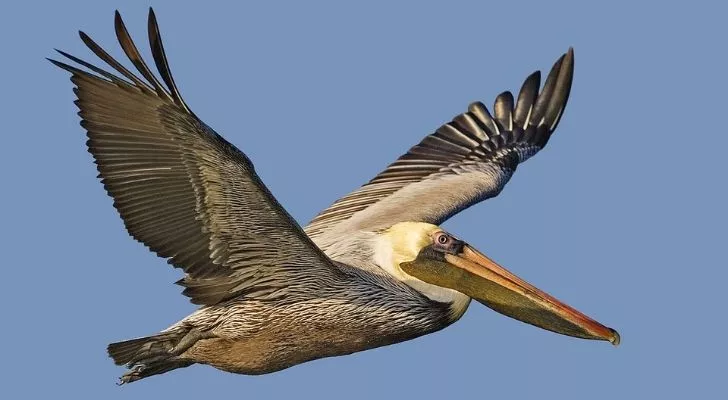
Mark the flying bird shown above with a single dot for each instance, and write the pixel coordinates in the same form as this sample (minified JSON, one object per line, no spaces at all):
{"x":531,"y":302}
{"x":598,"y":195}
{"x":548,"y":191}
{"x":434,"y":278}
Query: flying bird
{"x":371,"y":270}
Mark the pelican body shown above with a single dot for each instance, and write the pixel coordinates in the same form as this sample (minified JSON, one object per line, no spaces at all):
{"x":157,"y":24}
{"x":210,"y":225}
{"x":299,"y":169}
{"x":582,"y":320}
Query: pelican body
{"x":373,"y":269}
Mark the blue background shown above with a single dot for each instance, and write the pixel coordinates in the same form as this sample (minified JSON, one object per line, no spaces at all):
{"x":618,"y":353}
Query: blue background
{"x":623,"y":215}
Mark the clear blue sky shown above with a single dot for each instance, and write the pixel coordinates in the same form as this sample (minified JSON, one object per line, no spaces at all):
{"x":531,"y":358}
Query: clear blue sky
{"x":623,"y":215}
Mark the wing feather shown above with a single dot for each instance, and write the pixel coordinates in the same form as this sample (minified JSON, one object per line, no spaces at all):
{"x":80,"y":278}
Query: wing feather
{"x":184,"y":191}
{"x":464,"y":162}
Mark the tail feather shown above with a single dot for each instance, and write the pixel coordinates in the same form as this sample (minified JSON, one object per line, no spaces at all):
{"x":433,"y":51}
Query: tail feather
{"x":141,"y":371}
{"x":131,"y":351}
{"x":148,"y":356}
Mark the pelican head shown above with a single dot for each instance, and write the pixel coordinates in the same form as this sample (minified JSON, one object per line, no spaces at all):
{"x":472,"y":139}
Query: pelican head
{"x":447,"y":269}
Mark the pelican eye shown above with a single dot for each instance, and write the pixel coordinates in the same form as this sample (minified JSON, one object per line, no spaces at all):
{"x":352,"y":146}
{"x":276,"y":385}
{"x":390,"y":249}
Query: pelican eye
{"x":446,"y":243}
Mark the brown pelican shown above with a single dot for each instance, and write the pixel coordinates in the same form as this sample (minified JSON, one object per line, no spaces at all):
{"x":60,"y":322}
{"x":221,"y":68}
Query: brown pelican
{"x":371,"y":270}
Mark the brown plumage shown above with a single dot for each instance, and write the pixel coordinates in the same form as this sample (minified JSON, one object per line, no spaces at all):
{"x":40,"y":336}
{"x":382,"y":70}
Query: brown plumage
{"x":272,"y":295}
{"x":164,"y":152}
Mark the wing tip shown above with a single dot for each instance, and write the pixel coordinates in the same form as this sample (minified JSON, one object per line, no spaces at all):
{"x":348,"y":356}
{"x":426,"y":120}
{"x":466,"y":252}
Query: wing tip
{"x":56,"y":62}
{"x":160,"y":59}
{"x":551,"y":101}
{"x":148,"y":82}
{"x":561,"y":92}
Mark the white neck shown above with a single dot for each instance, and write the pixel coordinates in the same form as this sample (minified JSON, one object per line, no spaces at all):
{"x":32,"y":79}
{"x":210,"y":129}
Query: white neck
{"x":389,"y":261}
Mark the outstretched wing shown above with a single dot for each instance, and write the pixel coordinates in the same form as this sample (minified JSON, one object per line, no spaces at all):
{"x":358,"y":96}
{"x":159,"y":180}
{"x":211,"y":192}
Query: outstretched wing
{"x":183,"y":190}
{"x":464,"y":162}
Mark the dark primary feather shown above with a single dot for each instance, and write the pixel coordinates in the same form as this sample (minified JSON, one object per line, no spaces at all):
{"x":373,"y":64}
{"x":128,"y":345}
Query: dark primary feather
{"x":465,"y":161}
{"x":160,"y":59}
{"x":183,"y":190}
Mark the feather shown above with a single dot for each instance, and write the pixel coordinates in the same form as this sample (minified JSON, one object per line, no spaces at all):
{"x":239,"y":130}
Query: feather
{"x":184,"y":191}
{"x":464,"y":162}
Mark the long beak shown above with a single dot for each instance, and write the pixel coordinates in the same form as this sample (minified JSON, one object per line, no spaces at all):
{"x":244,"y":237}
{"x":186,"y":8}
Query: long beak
{"x":472,"y":273}
{"x":499,"y":289}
